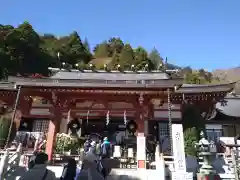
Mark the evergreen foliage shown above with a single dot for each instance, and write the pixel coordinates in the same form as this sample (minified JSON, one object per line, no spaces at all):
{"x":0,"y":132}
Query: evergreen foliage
{"x":25,"y":52}
{"x":5,"y":122}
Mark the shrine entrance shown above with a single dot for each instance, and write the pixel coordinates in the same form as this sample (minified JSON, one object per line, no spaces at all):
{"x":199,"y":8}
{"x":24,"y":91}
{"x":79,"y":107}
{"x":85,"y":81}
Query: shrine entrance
{"x":116,"y":129}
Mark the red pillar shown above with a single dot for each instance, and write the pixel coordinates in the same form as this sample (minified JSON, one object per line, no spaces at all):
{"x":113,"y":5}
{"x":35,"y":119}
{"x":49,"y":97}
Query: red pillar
{"x":51,"y":136}
{"x":141,"y":139}
{"x":140,"y":123}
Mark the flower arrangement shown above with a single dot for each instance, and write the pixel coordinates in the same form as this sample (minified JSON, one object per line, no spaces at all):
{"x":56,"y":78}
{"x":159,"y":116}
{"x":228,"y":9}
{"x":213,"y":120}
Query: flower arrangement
{"x":65,"y":143}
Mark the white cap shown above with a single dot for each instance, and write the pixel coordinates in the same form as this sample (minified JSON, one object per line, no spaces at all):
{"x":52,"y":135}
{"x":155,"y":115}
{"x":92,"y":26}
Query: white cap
{"x":93,"y":143}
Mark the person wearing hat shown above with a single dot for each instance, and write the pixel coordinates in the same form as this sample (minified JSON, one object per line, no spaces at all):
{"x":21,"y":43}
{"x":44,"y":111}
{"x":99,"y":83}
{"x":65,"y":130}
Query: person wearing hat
{"x":92,"y":148}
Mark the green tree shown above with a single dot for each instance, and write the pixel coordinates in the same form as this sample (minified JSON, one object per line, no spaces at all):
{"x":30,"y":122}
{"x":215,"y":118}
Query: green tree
{"x":101,"y":50}
{"x":115,"y":45}
{"x":141,"y":59}
{"x":5,"y":122}
{"x":126,"y":58}
{"x":190,"y":139}
{"x":23,"y":51}
{"x":115,"y":59}
{"x":191,"y":117}
{"x":193,"y":124}
{"x":23,"y":47}
{"x":86,"y":45}
{"x":76,"y":50}
{"x":194,"y":78}
{"x":156,"y":59}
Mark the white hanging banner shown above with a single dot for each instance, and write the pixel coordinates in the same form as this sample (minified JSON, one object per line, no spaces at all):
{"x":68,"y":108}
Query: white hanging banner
{"x":178,"y":148}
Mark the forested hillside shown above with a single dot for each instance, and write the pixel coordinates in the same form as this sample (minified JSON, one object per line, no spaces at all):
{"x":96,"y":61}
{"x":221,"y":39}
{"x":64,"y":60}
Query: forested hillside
{"x":229,"y":75}
{"x":25,"y":52}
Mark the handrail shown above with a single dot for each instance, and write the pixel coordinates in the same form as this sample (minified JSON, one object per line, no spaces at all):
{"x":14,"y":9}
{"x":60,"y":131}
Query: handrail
{"x":9,"y":161}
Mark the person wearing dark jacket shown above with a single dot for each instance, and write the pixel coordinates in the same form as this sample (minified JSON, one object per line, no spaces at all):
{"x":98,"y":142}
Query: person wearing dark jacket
{"x":69,"y":171}
{"x":39,"y":171}
{"x":32,"y":160}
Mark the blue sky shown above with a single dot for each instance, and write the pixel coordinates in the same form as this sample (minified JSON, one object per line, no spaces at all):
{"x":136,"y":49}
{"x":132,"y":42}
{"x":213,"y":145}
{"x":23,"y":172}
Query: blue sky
{"x":199,"y":33}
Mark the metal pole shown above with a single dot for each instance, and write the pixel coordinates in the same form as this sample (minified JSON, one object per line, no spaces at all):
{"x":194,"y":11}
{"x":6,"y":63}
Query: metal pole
{"x":13,"y":116}
{"x":170,"y":120}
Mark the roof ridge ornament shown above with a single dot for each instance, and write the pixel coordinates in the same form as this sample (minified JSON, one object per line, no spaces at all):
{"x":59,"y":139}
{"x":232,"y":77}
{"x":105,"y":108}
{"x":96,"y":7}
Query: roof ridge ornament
{"x":119,"y":67}
{"x":133,"y":68}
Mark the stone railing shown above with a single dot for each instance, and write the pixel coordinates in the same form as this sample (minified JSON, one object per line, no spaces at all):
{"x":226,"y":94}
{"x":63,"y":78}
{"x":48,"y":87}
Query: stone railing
{"x":9,"y":160}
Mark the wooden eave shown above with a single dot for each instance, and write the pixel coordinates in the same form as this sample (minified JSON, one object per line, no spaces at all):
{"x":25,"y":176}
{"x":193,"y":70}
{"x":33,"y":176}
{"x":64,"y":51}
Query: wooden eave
{"x":195,"y":89}
{"x":7,"y":86}
{"x":100,"y":88}
{"x":162,"y":84}
{"x":220,"y":116}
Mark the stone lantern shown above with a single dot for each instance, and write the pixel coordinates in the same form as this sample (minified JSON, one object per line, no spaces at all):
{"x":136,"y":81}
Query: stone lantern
{"x":207,"y":151}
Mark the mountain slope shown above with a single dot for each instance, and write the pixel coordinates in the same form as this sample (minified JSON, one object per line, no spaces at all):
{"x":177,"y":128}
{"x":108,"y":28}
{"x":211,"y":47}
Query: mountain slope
{"x":229,"y":75}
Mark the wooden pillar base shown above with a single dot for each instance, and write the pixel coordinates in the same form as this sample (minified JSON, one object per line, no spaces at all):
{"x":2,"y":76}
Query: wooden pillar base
{"x":208,"y":177}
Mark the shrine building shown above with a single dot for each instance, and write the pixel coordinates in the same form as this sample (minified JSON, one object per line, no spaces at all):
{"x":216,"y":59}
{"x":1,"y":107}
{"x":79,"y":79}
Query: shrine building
{"x":96,"y":99}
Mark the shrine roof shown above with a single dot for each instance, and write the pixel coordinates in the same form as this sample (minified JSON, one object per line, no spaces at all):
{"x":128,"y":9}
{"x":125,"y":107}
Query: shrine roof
{"x":116,"y":80}
{"x":7,"y":86}
{"x":231,"y":106}
{"x":166,"y":83}
{"x":196,"y":88}
{"x":114,"y":75}
{"x":113,"y":79}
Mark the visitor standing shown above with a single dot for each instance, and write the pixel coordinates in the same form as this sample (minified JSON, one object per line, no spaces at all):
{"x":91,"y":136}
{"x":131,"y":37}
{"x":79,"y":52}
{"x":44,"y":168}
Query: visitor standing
{"x":92,"y":147}
{"x":69,"y":171}
{"x":105,"y":149}
{"x":32,"y":160}
{"x":98,"y":148}
{"x":86,"y":146}
{"x":39,"y":171}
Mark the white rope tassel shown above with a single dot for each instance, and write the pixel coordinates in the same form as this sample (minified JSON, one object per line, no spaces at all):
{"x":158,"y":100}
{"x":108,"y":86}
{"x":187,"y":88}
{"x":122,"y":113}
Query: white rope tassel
{"x":125,"y":117}
{"x":107,"y":118}
{"x":69,"y":116}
